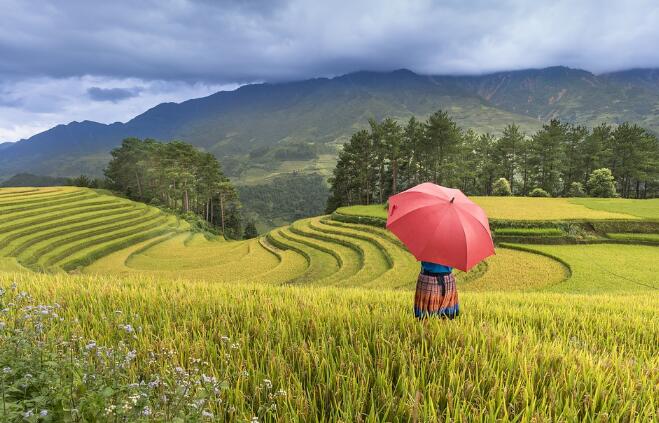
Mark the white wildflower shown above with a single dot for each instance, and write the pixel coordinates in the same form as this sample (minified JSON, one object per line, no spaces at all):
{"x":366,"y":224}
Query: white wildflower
{"x":146,"y":411}
{"x":208,"y":379}
{"x":267,"y":383}
{"x":207,"y":414}
{"x":28,"y":414}
{"x":127,"y":327}
{"x":43,"y":413}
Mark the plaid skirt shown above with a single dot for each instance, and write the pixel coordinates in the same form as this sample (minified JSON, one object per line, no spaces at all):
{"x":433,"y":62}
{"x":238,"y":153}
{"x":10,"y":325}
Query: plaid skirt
{"x":436,"y":295}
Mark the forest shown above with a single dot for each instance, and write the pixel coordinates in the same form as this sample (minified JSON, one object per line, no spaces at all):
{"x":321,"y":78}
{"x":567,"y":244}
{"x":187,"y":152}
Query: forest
{"x":177,"y":176}
{"x":560,"y":159}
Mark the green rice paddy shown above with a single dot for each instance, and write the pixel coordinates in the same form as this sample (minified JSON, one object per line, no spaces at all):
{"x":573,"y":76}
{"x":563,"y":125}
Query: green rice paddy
{"x":321,"y":309}
{"x":531,"y":208}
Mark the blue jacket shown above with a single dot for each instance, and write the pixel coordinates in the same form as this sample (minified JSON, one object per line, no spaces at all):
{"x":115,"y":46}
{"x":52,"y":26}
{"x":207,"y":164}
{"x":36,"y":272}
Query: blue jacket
{"x":435,"y":267}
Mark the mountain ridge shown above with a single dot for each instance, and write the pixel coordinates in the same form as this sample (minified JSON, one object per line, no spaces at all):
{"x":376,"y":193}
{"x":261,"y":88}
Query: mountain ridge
{"x":325,"y":111}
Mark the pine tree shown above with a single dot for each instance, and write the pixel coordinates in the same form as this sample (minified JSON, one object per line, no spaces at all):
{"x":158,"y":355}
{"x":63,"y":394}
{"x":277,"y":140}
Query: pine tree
{"x":506,"y":152}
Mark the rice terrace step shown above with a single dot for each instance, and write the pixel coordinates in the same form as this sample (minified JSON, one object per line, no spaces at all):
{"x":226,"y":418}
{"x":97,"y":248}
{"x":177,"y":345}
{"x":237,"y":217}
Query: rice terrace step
{"x":328,"y":300}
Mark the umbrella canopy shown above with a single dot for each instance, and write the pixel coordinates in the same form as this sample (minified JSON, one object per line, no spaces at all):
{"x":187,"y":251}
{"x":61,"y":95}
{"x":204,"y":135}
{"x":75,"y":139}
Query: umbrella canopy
{"x":441,"y":225}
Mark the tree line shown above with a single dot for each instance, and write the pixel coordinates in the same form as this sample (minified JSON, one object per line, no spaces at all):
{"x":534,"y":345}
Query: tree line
{"x":178,"y":176}
{"x":559,"y":159}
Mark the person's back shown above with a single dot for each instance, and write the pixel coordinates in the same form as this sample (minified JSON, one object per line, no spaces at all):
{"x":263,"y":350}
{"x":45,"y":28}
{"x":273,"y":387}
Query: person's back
{"x":436,"y":293}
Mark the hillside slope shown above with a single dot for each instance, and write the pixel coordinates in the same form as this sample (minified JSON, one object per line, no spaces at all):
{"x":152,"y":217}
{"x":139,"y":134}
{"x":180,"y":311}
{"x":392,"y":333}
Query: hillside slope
{"x":325,"y":111}
{"x":63,"y":228}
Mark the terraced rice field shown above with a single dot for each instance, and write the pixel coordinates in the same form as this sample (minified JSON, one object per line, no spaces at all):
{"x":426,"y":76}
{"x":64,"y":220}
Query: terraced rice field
{"x":321,"y":311}
{"x":316,"y":251}
{"x":606,"y":267}
{"x":635,"y":237}
{"x":193,"y":257}
{"x":352,"y":255}
{"x":66,"y":228}
{"x":529,"y":208}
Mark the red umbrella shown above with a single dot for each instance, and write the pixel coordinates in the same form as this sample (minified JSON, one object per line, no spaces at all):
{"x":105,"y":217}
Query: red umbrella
{"x":441,"y":225}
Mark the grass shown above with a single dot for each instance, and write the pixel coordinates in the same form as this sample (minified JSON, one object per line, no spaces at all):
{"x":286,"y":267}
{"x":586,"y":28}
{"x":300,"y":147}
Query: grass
{"x":528,"y":208}
{"x":634,"y":237}
{"x":349,"y":355}
{"x":535,"y":232}
{"x":646,"y":209}
{"x":606,"y":267}
{"x":511,"y":270}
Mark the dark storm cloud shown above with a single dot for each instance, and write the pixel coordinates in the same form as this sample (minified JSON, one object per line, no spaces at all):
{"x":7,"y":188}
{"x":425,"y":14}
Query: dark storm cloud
{"x":63,"y":60}
{"x":112,"y":94}
{"x":269,"y":40}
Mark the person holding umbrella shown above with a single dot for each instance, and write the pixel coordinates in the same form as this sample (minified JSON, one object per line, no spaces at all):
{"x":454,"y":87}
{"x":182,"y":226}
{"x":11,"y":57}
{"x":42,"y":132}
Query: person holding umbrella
{"x":439,"y":225}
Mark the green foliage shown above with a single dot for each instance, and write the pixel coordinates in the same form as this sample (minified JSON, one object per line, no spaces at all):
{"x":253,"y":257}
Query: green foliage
{"x":576,"y":190}
{"x":30,"y":180}
{"x":178,"y":176}
{"x":601,"y":183}
{"x":285,"y":198}
{"x":85,"y":181}
{"x":250,"y":231}
{"x":634,"y":160}
{"x":501,"y":188}
{"x":539,"y":192}
{"x":533,"y":232}
{"x":390,"y":158}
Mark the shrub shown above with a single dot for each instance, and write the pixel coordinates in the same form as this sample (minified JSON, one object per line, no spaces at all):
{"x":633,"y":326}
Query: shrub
{"x":250,"y":231}
{"x":501,"y":187}
{"x":576,"y":190}
{"x":539,"y":192}
{"x":601,"y":183}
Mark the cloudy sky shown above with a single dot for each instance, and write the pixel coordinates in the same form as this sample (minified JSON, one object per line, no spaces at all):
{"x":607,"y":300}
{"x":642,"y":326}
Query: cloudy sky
{"x":65,"y":60}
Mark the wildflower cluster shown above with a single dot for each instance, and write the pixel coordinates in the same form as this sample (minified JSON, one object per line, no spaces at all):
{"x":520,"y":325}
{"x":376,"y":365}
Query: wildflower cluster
{"x":50,"y":372}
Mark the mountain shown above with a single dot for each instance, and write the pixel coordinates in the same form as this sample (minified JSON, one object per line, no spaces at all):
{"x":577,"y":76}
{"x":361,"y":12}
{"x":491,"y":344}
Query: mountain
{"x":29,"y":180}
{"x":246,"y":127}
